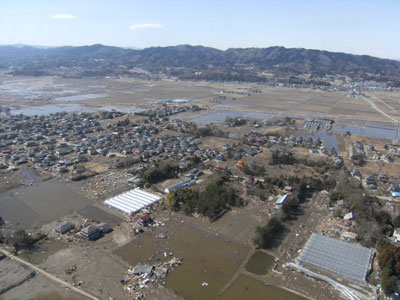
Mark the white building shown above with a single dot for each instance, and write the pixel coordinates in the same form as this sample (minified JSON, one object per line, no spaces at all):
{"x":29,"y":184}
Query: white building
{"x":396,"y":235}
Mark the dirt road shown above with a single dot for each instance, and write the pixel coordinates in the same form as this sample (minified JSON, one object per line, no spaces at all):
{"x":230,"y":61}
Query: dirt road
{"x":48,"y":275}
{"x":373,"y":105}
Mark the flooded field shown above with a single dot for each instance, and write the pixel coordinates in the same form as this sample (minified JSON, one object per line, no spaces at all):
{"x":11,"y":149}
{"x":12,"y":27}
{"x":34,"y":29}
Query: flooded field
{"x":35,"y":205}
{"x":370,"y":131}
{"x":221,"y":116}
{"x":70,"y":107}
{"x":206,"y":258}
{"x":94,"y":213}
{"x":145,"y":248}
{"x":81,"y":97}
{"x":28,"y":174}
{"x":125,"y":109}
{"x":246,"y":287}
{"x":329,"y":140}
{"x":260,"y":263}
{"x":49,"y":109}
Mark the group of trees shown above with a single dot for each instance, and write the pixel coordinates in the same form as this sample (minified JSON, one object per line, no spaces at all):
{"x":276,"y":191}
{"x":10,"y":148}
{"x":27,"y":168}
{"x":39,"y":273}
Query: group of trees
{"x":238,"y":121}
{"x":389,"y":261}
{"x":320,"y":166}
{"x":159,"y":173}
{"x":303,"y":188}
{"x":253,"y":171}
{"x":267,"y":234}
{"x":212,"y":201}
{"x":206,"y":131}
{"x":23,"y":241}
{"x":126,"y":162}
{"x":279,"y":158}
{"x":358,"y":160}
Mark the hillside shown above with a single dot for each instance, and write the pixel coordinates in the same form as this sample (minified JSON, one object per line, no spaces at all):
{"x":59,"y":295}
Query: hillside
{"x":184,"y":61}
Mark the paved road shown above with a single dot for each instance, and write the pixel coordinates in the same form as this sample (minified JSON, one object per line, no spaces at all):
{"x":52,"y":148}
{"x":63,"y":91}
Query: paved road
{"x":48,"y":275}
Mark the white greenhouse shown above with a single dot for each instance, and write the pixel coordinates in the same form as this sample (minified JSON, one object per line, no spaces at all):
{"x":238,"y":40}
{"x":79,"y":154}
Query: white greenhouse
{"x":133,"y":200}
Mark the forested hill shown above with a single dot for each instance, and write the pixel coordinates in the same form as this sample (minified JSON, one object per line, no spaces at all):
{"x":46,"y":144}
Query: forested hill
{"x":190,"y":62}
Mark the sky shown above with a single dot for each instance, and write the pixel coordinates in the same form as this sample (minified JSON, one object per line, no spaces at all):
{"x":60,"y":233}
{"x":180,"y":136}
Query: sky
{"x":351,"y":26}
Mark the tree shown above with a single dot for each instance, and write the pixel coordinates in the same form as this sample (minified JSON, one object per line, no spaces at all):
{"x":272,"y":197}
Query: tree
{"x":389,"y":261}
{"x":387,"y":281}
{"x":302,"y":190}
{"x":396,"y":221}
{"x":290,"y":207}
{"x":337,"y":195}
{"x":266,"y":235}
{"x":383,"y":217}
{"x":22,"y":240}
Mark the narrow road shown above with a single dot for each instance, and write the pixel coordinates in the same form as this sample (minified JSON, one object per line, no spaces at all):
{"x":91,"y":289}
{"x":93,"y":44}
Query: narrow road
{"x":346,"y":291}
{"x":48,"y":275}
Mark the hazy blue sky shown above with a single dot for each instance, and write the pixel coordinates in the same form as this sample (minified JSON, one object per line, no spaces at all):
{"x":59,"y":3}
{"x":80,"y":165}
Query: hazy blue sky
{"x":354,"y":26}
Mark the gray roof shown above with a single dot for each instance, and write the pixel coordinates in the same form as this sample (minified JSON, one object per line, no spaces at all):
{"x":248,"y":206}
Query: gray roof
{"x":143,"y":269}
{"x":337,"y":257}
{"x":64,"y":227}
{"x":89,"y":230}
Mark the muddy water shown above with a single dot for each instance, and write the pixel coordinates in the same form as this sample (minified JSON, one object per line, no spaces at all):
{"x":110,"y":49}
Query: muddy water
{"x":370,"y":131}
{"x":144,"y":249}
{"x":49,"y":109}
{"x":260,"y":263}
{"x":246,"y":287}
{"x":30,"y":175}
{"x":70,"y":107}
{"x":330,"y":140}
{"x":206,"y":258}
{"x":96,"y":214}
{"x":33,"y":206}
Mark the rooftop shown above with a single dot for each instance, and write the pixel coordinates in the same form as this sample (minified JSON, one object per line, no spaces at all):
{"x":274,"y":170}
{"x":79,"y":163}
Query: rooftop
{"x":349,"y":261}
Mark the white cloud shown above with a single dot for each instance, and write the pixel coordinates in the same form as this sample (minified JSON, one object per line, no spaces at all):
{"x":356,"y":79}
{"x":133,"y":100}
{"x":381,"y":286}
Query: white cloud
{"x":63,"y":17}
{"x":137,"y":27}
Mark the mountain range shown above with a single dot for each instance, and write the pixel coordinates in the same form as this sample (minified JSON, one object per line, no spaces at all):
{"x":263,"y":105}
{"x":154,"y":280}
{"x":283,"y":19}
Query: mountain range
{"x":191,"y":62}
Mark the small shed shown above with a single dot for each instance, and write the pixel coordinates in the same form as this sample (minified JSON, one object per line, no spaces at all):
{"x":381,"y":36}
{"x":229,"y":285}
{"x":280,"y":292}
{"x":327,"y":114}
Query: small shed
{"x":282,"y":199}
{"x":348,"y":216}
{"x":396,"y":235}
{"x":349,"y":236}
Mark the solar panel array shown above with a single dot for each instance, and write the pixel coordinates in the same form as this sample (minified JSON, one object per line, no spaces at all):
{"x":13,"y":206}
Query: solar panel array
{"x":346,"y":260}
{"x":132,"y":201}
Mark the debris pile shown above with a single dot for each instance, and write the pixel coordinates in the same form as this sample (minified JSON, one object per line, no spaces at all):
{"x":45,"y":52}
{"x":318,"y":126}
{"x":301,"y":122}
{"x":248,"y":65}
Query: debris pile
{"x":147,"y":276}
